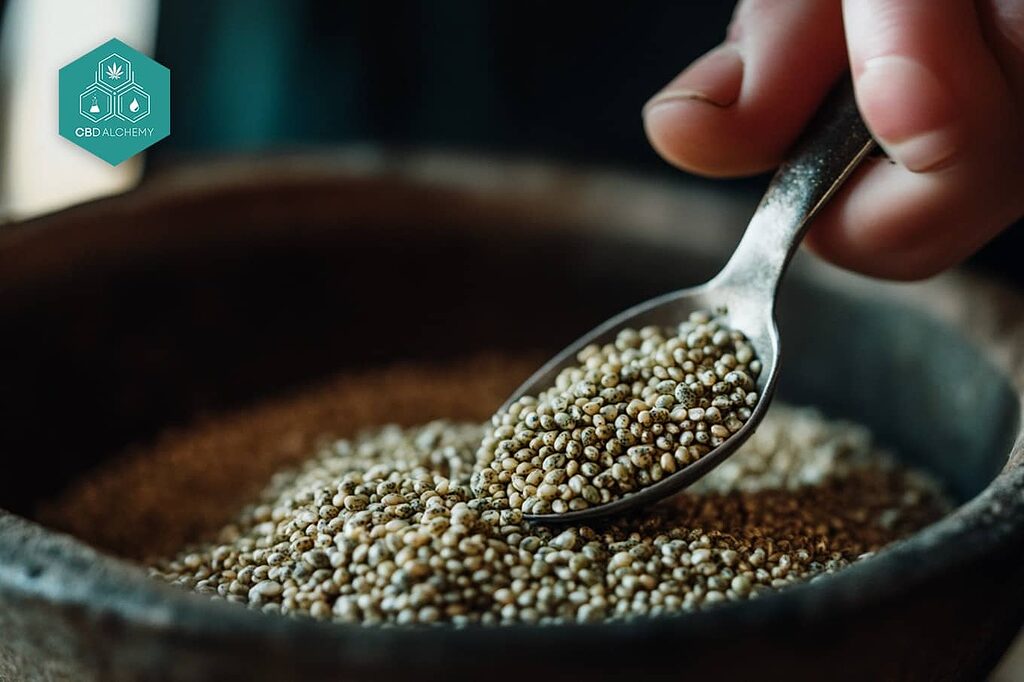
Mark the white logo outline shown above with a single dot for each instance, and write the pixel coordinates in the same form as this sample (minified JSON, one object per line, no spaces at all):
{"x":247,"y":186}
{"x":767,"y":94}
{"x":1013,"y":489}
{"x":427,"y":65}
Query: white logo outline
{"x":114,"y":96}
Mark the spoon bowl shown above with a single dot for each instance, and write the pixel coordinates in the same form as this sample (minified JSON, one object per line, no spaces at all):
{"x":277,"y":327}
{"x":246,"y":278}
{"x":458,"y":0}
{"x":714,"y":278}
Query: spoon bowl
{"x":757,"y":323}
{"x":830,"y":148}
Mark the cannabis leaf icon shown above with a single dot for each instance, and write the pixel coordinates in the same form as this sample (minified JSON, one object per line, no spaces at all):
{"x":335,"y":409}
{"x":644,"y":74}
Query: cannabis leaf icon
{"x":114,"y":72}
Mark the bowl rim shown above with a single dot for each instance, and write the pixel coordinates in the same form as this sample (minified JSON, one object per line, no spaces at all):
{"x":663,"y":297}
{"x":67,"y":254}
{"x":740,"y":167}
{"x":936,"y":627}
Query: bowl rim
{"x":41,"y":566}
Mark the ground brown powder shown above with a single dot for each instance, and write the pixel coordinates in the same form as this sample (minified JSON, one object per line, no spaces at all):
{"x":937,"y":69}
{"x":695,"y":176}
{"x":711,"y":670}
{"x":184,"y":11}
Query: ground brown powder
{"x":805,"y":497}
{"x":159,"y":497}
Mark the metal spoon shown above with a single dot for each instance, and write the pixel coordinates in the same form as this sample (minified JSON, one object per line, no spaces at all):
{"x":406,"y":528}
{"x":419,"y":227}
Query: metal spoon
{"x":830,"y":148}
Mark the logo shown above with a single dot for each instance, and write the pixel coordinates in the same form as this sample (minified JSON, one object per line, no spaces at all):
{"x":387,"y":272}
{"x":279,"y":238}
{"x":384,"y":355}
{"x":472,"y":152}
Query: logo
{"x":114,"y":102}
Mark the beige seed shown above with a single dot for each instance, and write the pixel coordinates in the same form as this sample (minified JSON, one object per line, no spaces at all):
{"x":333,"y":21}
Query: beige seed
{"x":268,"y":589}
{"x":437,"y":552}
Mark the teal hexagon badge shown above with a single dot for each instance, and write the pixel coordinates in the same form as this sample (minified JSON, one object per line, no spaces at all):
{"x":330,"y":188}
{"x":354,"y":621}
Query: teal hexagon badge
{"x":114,"y":102}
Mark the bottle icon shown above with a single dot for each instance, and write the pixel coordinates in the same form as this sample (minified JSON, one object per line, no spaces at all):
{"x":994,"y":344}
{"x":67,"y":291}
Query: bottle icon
{"x":95,"y":108}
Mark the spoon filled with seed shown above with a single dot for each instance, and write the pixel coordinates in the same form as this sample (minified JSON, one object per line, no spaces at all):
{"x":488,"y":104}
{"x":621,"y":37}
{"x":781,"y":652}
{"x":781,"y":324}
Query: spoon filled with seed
{"x":656,"y":397}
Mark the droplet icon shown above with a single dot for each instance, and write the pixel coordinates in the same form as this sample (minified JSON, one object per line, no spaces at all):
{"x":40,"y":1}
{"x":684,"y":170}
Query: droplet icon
{"x":134,"y":106}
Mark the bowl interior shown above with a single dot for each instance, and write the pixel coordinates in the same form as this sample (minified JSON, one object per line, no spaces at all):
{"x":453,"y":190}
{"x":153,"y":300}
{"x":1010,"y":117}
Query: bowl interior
{"x":924,"y":390}
{"x":114,"y":350}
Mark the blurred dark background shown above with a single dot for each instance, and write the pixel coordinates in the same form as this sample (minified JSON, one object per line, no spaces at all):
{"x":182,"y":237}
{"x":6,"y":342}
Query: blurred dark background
{"x":564,"y":81}
{"x":559,"y":80}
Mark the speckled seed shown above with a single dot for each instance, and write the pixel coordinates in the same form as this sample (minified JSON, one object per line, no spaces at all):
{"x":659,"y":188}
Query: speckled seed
{"x":661,"y":389}
{"x":268,"y":589}
{"x":386,"y":529}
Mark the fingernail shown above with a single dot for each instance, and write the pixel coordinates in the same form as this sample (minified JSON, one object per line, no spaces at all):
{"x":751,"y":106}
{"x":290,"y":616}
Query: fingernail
{"x":926,"y":152}
{"x":910,"y":111}
{"x":715,"y":78}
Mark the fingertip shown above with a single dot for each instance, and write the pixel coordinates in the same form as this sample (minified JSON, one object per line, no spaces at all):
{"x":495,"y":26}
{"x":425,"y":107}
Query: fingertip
{"x":910,"y":111}
{"x":715,"y":78}
{"x":828,"y":241}
{"x":737,"y":110}
{"x":891,"y":223}
{"x":865,"y":229}
{"x":699,"y":137}
{"x":926,"y":82}
{"x":694,"y":121}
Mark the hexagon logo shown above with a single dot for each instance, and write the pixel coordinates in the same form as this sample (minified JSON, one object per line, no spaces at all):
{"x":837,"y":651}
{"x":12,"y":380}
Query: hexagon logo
{"x":133,"y":103}
{"x":114,"y":102}
{"x":96,"y":103}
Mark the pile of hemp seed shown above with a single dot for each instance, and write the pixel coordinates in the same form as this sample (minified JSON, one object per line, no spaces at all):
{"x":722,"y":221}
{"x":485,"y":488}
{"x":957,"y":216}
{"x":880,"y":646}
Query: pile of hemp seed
{"x":384,"y":529}
{"x":631,"y":413}
{"x":391,"y":526}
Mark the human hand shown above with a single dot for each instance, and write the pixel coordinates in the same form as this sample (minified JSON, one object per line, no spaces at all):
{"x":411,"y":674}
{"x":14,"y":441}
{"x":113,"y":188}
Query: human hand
{"x":940,"y":83}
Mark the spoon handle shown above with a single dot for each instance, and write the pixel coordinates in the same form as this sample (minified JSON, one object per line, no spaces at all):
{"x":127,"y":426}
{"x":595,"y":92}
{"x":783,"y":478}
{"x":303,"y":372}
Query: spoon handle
{"x":825,"y":155}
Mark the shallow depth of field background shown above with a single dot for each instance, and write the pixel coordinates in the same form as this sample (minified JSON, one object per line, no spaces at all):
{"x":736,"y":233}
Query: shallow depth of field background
{"x":564,"y":81}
